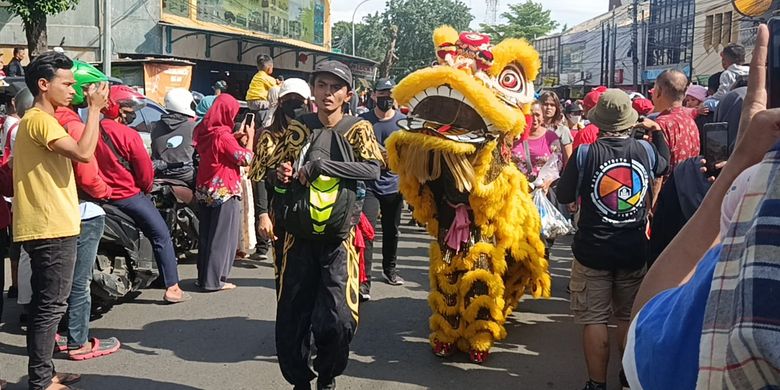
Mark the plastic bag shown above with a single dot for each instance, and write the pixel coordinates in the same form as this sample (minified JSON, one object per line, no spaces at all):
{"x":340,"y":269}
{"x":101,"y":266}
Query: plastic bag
{"x":550,"y":171}
{"x":554,"y":224}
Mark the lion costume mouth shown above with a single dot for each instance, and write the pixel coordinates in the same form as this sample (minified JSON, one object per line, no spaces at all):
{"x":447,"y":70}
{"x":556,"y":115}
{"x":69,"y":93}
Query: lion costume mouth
{"x":446,"y":113}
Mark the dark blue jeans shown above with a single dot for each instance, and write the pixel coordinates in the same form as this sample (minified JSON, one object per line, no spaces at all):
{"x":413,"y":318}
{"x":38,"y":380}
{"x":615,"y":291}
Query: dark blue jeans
{"x":79,"y":301}
{"x":52,"y":261}
{"x":141,"y":209}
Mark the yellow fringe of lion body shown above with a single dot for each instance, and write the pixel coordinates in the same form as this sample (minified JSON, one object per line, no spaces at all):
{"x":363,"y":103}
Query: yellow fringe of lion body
{"x":503,"y":210}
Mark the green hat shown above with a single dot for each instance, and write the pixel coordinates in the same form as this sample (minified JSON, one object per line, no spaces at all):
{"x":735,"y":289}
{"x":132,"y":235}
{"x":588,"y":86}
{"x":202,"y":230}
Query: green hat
{"x":85,"y":74}
{"x":613,"y":112}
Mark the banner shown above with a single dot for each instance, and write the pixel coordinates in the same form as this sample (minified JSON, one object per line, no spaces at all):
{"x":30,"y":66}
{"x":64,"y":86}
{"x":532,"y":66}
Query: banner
{"x":161,"y":78}
{"x":303,"y":20}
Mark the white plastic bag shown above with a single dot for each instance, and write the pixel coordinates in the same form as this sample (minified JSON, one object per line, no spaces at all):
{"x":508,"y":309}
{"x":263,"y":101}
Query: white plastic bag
{"x":554,"y":224}
{"x":550,"y":171}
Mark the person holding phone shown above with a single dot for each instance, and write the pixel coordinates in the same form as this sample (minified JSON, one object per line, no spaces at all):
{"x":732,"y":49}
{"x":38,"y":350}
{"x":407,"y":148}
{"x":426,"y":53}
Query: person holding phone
{"x":218,"y":190}
{"x":706,"y":314}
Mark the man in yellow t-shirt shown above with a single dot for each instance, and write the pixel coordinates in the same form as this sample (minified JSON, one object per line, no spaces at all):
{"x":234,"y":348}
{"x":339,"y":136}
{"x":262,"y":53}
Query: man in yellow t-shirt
{"x":46,"y":215}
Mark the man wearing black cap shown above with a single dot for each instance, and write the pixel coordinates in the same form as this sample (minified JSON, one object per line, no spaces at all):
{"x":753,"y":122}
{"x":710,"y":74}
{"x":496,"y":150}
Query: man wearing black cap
{"x":322,"y":163}
{"x":383,"y":195}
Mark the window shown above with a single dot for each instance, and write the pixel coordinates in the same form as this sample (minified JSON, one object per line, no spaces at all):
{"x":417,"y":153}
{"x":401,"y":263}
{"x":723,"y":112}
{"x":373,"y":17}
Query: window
{"x":727,"y":23}
{"x":669,"y":40}
{"x":551,"y":62}
{"x":717,"y":29}
{"x":708,"y":31}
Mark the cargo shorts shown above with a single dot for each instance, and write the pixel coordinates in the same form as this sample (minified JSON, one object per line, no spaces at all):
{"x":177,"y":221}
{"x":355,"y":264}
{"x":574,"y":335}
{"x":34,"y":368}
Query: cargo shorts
{"x":598,"y":294}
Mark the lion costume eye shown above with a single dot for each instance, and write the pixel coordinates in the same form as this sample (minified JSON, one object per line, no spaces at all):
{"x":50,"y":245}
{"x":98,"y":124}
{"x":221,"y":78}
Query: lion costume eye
{"x":512,"y":79}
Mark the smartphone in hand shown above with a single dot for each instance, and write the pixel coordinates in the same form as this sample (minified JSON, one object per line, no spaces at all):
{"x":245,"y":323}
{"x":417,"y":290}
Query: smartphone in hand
{"x":773,"y":65}
{"x":715,"y":145}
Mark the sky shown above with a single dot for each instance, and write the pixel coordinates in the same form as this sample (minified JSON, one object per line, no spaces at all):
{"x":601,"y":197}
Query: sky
{"x":569,"y":12}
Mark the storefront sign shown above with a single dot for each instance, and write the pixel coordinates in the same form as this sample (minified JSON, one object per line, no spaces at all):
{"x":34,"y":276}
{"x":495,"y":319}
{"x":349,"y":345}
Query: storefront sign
{"x":303,"y":20}
{"x":161,"y":78}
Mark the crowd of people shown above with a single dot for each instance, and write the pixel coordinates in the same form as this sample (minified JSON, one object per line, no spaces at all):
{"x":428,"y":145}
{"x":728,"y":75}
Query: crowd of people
{"x":314,"y":183}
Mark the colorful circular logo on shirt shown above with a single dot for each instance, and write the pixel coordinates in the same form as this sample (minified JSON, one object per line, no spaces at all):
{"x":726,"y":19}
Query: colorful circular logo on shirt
{"x":620,"y":188}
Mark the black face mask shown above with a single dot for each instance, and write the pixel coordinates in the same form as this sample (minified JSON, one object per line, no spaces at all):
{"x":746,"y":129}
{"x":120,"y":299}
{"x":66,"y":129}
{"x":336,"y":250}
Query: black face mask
{"x":129,"y":117}
{"x":384,"y":103}
{"x":293,"y":108}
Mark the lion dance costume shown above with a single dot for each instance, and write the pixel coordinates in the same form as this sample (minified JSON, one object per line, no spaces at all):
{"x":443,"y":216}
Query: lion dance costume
{"x":454,"y":162}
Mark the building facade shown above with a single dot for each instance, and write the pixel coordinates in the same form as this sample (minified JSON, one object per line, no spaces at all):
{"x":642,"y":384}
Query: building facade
{"x":670,"y":37}
{"x":596,"y":52}
{"x":717,"y":25}
{"x":222,"y":37}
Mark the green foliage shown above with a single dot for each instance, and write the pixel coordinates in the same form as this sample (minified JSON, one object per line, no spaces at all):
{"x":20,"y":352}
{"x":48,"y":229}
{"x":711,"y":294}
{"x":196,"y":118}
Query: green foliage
{"x":527,"y":20}
{"x":32,"y":11}
{"x":415,"y":20}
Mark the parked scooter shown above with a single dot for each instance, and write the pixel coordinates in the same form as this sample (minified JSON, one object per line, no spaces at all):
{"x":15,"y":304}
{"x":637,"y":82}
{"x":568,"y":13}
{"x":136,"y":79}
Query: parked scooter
{"x":176,"y":202}
{"x":125,"y":262}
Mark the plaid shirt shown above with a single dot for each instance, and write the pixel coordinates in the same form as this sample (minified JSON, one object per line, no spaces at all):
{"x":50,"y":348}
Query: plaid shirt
{"x":740,"y":342}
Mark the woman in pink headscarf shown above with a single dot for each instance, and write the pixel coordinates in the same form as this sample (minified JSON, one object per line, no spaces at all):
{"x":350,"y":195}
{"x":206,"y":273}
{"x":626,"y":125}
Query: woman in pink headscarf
{"x":218,"y":190}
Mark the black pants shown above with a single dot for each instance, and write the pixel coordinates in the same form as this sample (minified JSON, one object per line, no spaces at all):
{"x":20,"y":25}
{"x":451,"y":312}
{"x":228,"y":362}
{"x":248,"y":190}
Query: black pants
{"x":52,"y":262}
{"x":390,"y":206}
{"x":318,"y":294}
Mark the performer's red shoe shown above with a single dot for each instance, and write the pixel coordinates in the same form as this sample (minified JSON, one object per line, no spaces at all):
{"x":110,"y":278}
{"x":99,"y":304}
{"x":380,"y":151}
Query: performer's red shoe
{"x":478,"y":357}
{"x":443,"y":349}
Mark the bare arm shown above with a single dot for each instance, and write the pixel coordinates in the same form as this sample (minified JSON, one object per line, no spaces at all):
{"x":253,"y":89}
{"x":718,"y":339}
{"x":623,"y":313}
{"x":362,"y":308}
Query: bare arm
{"x":84,"y":150}
{"x":759,"y":130}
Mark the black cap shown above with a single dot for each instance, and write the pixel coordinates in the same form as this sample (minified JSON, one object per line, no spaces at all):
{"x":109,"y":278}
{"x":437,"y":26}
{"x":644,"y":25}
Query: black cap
{"x":220,"y":85}
{"x":336,"y":68}
{"x":384,"y":85}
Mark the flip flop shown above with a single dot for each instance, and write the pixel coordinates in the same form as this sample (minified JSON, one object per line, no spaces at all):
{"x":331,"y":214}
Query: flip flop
{"x":184,"y":298}
{"x":100,"y":347}
{"x":228,"y":286}
{"x":60,"y":343}
{"x":65,"y":379}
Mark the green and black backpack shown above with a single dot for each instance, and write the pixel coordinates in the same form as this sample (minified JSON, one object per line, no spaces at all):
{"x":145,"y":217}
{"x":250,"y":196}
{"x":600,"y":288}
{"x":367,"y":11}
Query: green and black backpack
{"x":329,"y":207}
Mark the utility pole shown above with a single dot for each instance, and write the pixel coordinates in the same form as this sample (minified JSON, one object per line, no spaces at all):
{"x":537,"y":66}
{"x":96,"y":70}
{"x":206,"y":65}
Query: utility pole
{"x":635,"y":43}
{"x":608,"y":37}
{"x":107,"y":38}
{"x":612,"y":61}
{"x":644,"y":50}
{"x":601,"y":79}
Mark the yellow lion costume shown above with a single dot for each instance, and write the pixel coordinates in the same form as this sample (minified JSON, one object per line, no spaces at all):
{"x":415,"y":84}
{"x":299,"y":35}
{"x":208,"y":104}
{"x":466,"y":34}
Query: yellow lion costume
{"x":453,"y":158}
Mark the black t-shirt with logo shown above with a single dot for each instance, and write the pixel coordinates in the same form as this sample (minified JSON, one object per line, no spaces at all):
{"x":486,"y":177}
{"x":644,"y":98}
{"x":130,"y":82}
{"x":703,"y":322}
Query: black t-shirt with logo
{"x":615,"y":191}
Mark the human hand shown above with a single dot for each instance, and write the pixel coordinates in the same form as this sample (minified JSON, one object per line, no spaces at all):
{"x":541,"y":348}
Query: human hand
{"x":97,"y":96}
{"x":710,"y":175}
{"x":302,"y":178}
{"x":702,"y":110}
{"x":572,"y":207}
{"x":265,"y":227}
{"x":284,"y":172}
{"x":759,"y":128}
{"x":649,"y":124}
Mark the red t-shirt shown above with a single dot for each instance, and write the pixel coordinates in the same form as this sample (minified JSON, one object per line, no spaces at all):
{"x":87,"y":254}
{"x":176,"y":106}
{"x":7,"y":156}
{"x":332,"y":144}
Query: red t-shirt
{"x":587,"y":136}
{"x":681,"y":133}
{"x":128,"y":143}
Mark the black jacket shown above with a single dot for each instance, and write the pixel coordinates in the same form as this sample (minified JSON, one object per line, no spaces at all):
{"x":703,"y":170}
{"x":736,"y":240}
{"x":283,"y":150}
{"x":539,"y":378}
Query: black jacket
{"x":172,"y":143}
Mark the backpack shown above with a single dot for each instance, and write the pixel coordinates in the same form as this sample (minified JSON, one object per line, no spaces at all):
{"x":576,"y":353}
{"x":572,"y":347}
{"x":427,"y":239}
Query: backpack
{"x":328,"y":207}
{"x":582,"y":157}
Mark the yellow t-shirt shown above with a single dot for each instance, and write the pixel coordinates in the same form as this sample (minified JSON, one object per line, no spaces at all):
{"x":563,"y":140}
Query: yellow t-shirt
{"x":45,"y":202}
{"x":258,"y":89}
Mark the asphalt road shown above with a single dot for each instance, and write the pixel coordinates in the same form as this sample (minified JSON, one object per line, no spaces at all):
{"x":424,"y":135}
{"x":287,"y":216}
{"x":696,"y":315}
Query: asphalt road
{"x":225,"y":340}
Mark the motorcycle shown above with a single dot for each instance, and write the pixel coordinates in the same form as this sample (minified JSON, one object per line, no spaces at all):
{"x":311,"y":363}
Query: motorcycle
{"x":125,"y":262}
{"x":176,"y":202}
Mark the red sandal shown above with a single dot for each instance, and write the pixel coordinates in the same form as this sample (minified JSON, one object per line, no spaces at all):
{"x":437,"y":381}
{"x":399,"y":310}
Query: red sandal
{"x":100,"y":347}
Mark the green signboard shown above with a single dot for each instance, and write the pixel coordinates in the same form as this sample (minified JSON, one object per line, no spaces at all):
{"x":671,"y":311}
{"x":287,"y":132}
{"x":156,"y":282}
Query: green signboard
{"x":303,"y":20}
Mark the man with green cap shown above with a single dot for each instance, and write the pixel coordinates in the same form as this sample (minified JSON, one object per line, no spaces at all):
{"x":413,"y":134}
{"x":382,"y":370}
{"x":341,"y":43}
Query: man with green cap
{"x":91,"y":188}
{"x":613,"y":179}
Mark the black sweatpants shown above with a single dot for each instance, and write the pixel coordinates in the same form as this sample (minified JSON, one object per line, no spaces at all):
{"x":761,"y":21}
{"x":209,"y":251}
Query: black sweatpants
{"x":318,"y":294}
{"x":390,"y":206}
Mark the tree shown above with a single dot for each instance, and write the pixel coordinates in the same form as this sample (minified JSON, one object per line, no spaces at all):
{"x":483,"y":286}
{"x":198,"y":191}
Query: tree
{"x":370,"y":42}
{"x":527,"y":20}
{"x":34,"y":14}
{"x":415,"y":21}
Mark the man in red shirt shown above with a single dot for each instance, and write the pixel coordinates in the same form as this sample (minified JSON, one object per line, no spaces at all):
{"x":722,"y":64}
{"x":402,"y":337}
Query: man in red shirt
{"x":676,"y":124}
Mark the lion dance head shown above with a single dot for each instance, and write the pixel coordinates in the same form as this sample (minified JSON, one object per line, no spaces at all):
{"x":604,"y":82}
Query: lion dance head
{"x":452,"y":154}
